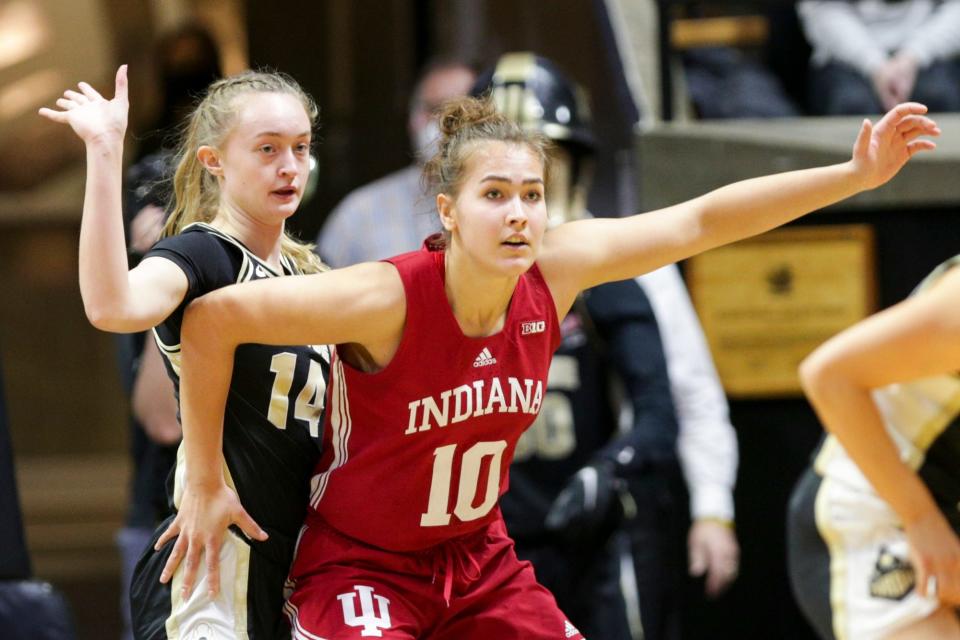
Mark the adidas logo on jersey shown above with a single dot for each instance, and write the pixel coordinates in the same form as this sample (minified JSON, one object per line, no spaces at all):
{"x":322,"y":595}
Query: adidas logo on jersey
{"x":569,"y":630}
{"x":484,"y":358}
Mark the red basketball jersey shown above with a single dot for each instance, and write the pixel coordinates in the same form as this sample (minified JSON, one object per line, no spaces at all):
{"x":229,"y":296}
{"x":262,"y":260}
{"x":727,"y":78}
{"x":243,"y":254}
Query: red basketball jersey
{"x":419,"y":452}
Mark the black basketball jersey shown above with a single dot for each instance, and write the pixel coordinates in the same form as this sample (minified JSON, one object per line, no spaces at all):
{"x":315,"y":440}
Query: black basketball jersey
{"x":271,"y":431}
{"x":610,"y":352}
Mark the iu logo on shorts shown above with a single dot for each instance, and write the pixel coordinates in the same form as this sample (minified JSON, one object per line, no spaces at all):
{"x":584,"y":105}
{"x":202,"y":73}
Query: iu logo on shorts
{"x":371,"y":618}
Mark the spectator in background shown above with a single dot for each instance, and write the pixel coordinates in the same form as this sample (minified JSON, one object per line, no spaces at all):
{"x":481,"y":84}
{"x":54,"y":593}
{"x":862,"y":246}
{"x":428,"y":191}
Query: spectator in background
{"x":870,"y":55}
{"x":725,"y":82}
{"x":392,"y":215}
{"x":187,"y":61}
{"x":739,"y":78}
{"x":605,"y":514}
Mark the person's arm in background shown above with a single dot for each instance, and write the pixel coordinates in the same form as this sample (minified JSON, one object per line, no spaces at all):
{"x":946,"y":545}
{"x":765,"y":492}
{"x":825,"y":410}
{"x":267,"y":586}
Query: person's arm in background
{"x":939,"y":38}
{"x":152,"y":401}
{"x":707,"y":442}
{"x":836,"y":32}
{"x":936,"y":40}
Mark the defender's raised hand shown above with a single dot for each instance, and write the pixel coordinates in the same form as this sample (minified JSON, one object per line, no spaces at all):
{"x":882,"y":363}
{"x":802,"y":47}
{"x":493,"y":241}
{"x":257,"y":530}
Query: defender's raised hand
{"x":880,"y":151}
{"x":90,"y":115}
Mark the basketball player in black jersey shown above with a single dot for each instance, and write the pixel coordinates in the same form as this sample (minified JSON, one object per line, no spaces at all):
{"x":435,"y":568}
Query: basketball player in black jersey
{"x":242,"y":168}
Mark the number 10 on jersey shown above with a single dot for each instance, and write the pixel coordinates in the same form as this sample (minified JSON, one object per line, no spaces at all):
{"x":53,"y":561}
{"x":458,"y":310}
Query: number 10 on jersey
{"x":471,"y":465}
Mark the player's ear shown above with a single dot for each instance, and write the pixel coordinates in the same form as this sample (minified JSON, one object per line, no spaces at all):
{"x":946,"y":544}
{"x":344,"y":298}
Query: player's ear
{"x":445,"y":210}
{"x":209,"y":157}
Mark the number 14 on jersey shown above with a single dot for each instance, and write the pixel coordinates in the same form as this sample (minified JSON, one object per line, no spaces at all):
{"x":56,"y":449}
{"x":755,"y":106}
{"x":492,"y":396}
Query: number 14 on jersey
{"x":309,"y":402}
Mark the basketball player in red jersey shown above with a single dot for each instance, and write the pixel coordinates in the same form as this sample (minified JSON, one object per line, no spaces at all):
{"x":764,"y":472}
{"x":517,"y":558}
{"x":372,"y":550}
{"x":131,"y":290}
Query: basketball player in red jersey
{"x":441,"y":363}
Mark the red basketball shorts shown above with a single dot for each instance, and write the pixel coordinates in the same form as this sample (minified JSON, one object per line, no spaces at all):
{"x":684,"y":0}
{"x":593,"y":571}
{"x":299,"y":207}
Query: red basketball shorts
{"x":470,"y":587}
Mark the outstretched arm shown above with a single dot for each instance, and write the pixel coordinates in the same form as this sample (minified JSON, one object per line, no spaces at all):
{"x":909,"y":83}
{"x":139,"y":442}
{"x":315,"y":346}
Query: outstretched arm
{"x":609,"y":249}
{"x":114,"y":298}
{"x":917,"y":338}
{"x":363,"y":304}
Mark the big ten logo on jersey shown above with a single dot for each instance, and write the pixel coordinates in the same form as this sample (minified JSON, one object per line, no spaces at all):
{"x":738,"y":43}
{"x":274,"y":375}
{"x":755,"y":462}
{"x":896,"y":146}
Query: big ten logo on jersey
{"x":553,"y":436}
{"x":537,"y":326}
{"x":311,"y":388}
{"x":374,"y":612}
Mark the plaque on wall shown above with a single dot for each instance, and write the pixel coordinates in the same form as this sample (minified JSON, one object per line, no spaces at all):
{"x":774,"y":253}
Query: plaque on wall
{"x":767,"y":302}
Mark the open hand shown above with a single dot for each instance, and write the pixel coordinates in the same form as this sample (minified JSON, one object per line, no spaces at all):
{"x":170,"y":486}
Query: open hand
{"x":199,"y":527}
{"x":90,"y":115}
{"x":882,"y":149}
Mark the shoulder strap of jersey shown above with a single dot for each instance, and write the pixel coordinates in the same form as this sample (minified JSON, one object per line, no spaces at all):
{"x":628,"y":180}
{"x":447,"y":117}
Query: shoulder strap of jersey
{"x":289,"y":266}
{"x":250,"y":261}
{"x":937,"y":273}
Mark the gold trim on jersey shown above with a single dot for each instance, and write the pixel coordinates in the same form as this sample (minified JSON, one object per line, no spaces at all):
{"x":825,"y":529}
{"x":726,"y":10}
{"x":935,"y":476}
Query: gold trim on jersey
{"x":245,"y":273}
{"x":933,"y":403}
{"x":289,"y":265}
{"x":170,"y":352}
{"x":181,"y":469}
{"x":935,"y":275}
{"x":180,"y":609}
{"x":936,"y":425}
{"x":838,"y":561}
{"x":914,"y":453}
{"x":827,"y":451}
{"x":235,"y":616}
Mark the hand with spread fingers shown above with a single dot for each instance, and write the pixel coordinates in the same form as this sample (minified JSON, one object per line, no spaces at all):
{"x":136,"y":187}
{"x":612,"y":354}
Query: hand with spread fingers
{"x":92,"y":117}
{"x":883,"y":148}
{"x":199,"y":527}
